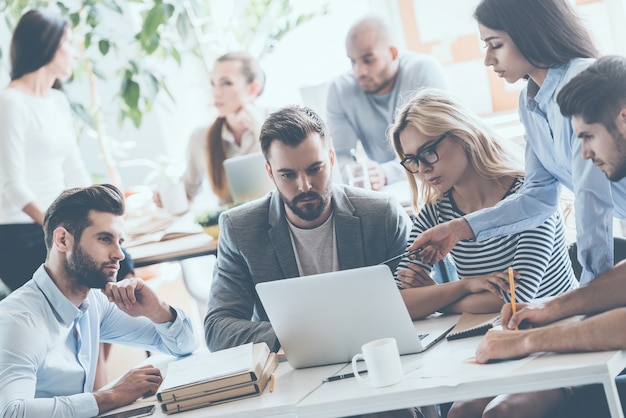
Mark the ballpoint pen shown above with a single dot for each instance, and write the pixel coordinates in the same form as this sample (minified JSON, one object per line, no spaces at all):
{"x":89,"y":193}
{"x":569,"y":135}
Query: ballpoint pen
{"x":404,"y":254}
{"x":406,"y":369}
{"x":342,"y":376}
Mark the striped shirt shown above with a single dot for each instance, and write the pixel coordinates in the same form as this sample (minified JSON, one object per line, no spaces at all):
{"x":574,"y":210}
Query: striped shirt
{"x":539,"y":255}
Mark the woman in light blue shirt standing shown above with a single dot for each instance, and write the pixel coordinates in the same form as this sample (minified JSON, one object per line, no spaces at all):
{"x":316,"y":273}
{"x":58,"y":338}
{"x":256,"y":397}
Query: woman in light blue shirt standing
{"x":544,"y":42}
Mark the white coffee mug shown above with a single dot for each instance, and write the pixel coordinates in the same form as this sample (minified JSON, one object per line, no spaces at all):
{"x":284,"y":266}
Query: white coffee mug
{"x":174,"y":198}
{"x":382,"y":361}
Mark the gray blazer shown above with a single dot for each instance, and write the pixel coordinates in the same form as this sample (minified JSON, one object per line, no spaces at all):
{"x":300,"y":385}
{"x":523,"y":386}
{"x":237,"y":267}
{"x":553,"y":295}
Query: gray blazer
{"x":255,"y":246}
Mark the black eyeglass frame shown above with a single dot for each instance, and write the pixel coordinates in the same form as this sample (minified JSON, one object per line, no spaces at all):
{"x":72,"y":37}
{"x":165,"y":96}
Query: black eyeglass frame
{"x":417,"y":159}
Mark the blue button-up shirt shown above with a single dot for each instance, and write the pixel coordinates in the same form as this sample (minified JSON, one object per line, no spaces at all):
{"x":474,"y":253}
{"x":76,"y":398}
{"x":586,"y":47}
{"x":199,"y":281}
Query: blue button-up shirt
{"x":49,"y":347}
{"x":553,"y":157}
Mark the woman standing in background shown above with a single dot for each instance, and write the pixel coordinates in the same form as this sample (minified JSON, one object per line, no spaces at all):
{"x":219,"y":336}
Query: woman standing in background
{"x":39,"y":155}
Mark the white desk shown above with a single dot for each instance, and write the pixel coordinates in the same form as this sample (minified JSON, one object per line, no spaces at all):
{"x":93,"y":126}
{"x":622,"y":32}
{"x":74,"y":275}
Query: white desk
{"x":446,"y":375}
{"x":443,"y":374}
{"x":291,"y":386}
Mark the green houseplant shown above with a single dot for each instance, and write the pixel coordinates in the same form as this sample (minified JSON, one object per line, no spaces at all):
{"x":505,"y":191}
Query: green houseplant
{"x":208,"y":220}
{"x":126,"y":42}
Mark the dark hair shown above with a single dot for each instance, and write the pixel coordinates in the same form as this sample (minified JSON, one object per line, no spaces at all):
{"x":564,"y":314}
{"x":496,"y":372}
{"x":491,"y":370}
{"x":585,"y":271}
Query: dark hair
{"x":597,"y":93}
{"x":216,"y":154}
{"x":35,"y":40}
{"x":548,"y":33}
{"x":71,"y":209}
{"x":290,"y":125}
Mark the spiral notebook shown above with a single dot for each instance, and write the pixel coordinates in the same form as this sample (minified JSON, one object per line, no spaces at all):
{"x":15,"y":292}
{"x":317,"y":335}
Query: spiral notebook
{"x":470,"y":325}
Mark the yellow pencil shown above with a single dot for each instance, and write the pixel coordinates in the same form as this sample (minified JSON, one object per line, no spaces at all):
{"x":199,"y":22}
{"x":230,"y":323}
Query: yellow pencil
{"x":512,"y":288}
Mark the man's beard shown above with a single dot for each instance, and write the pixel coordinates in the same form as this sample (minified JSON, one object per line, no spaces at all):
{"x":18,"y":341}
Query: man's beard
{"x":84,"y":270}
{"x":619,"y":156}
{"x":377,"y":88}
{"x":310,"y":211}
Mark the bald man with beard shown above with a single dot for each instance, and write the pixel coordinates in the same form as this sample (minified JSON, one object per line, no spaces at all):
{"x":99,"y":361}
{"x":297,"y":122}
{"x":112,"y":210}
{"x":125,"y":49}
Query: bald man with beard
{"x":362,"y":103}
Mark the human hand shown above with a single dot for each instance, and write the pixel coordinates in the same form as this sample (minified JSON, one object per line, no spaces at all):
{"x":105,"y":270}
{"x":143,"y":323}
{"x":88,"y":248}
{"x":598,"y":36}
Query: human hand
{"x":532,"y":314}
{"x":436,"y":242}
{"x":414,"y":276}
{"x":494,"y":283}
{"x":378,"y":178}
{"x":499,"y":345}
{"x":134,"y":298}
{"x":249,"y":118}
{"x":156,"y":198}
{"x":142,"y":381}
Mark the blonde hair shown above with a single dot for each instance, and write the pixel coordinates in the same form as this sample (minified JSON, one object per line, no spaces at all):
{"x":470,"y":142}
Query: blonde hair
{"x":434,"y":113}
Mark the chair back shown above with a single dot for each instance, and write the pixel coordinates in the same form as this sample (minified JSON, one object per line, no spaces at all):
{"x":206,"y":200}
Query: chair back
{"x":619,"y":254}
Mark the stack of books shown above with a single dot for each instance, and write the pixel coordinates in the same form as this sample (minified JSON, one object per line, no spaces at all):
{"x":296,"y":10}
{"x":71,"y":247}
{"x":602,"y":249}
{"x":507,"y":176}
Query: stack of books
{"x":210,"y":378}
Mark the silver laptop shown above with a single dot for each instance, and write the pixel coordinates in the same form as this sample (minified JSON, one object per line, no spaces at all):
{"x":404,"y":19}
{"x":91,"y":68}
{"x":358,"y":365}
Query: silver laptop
{"x":325,"y":318}
{"x":247,"y":177}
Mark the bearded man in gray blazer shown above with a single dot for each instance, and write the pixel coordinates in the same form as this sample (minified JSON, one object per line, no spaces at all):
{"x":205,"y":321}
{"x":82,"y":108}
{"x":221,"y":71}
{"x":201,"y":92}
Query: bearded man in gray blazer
{"x":308,"y":225}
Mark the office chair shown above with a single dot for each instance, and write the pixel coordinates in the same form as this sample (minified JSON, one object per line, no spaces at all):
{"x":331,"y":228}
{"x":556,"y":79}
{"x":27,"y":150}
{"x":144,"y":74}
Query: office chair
{"x":619,"y":254}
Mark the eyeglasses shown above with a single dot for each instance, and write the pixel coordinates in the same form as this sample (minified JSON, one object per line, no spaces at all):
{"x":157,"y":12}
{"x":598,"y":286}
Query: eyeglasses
{"x":429,"y":156}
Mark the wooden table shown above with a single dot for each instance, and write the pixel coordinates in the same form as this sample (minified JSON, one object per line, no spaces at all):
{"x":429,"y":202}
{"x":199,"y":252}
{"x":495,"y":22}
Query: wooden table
{"x":175,"y":249}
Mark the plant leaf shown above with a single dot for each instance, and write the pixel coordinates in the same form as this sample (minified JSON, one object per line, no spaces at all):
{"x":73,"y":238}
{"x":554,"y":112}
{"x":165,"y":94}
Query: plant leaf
{"x":104,"y":46}
{"x":130,"y":94}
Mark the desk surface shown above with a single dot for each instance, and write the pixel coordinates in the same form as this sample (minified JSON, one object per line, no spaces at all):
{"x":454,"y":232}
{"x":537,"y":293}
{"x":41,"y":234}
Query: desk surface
{"x":291,"y":387}
{"x":443,"y":373}
{"x":447,"y":374}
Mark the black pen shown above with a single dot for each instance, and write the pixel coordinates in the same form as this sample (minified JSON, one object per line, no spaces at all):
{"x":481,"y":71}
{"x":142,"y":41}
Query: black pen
{"x":342,"y":376}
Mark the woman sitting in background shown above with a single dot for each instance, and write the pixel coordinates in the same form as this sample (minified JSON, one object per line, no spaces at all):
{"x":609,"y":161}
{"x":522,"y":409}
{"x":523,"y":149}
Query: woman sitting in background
{"x":461,"y":168}
{"x":237,"y":80}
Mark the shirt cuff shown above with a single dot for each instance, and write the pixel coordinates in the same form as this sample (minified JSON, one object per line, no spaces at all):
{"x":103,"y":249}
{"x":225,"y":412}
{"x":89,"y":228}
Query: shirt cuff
{"x":85,"y":405}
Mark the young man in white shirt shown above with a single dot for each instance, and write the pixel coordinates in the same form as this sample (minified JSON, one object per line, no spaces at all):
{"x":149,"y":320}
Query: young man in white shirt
{"x":51,"y":327}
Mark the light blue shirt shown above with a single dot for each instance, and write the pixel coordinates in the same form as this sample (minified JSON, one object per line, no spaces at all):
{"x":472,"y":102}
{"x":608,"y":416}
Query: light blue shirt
{"x":553,"y":157}
{"x":45,"y":371}
{"x":355,"y":115}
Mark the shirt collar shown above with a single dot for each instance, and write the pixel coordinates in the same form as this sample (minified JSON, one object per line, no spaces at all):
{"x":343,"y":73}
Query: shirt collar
{"x":248,"y":139}
{"x":553,"y":79}
{"x":65,"y":310}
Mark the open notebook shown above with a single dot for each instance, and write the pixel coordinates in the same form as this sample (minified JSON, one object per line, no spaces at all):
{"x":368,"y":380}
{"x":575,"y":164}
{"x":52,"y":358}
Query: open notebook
{"x":325,"y":318}
{"x":470,"y":325}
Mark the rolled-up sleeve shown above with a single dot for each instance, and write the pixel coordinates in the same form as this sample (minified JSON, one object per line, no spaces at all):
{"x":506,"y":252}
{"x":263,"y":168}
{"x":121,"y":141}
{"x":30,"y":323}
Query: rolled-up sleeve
{"x":593,"y":206}
{"x":176,"y":338}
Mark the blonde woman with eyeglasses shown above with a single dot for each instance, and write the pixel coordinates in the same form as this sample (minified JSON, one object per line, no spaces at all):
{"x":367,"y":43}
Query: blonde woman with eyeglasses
{"x":459,"y":167}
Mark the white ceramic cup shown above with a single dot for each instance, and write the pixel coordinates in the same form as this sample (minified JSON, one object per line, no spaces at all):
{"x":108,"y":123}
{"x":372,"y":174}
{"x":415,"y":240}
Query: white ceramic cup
{"x":382,"y":361}
{"x":358,"y":175}
{"x":174,"y":198}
